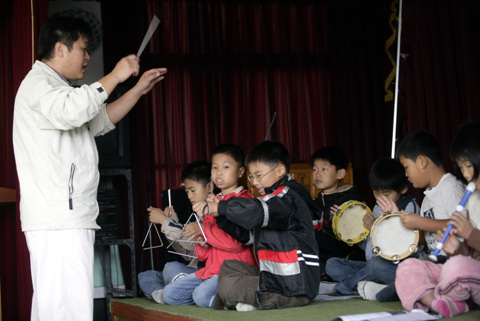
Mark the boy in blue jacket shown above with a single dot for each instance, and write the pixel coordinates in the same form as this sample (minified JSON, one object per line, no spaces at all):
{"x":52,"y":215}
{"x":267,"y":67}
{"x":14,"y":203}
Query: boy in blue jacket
{"x":281,"y":220}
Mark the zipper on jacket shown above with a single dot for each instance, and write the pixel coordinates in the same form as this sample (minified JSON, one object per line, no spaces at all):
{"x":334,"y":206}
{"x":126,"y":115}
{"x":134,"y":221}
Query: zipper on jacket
{"x":70,"y":186}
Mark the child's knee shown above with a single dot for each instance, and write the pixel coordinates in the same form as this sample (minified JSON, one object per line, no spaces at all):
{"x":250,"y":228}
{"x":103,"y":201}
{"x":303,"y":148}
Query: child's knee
{"x":169,"y":295}
{"x":333,"y":265}
{"x":147,"y":274}
{"x":202,"y":300}
{"x":406,"y":266}
{"x":148,"y":277}
{"x":330,"y":266}
{"x":459,"y":265}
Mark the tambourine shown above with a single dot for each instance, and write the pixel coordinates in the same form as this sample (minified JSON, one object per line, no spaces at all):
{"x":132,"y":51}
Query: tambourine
{"x":347,"y":222}
{"x":391,"y":240}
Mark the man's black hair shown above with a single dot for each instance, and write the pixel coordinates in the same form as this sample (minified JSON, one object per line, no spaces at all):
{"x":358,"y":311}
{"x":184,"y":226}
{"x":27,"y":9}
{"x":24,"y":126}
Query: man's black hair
{"x":271,"y":153}
{"x":198,"y":171}
{"x":232,"y":150}
{"x":466,"y":144}
{"x":387,"y":174}
{"x":333,"y":155}
{"x":61,"y":28}
{"x":420,"y":143}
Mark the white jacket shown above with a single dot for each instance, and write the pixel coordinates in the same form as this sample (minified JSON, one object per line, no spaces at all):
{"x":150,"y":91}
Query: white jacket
{"x":54,"y":126}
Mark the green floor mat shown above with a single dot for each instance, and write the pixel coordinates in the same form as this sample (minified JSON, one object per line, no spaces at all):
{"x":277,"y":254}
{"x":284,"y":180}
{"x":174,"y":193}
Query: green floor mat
{"x":319,"y":311}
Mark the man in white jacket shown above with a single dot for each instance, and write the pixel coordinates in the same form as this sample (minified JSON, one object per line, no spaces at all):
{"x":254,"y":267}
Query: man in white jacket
{"x":57,"y":163}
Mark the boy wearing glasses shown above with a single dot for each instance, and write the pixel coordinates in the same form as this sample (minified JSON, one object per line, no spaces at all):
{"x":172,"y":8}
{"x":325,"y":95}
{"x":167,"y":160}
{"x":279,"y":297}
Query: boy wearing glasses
{"x":281,"y":221}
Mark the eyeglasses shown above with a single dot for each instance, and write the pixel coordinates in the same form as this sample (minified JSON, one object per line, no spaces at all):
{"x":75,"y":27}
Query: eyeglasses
{"x":258,"y":178}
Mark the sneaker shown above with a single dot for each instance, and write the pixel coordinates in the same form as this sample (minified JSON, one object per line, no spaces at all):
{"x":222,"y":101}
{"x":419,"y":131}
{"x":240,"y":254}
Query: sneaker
{"x":449,"y":308}
{"x":245,"y":307}
{"x":327,"y":288}
{"x":158,"y":296}
{"x":368,"y":289}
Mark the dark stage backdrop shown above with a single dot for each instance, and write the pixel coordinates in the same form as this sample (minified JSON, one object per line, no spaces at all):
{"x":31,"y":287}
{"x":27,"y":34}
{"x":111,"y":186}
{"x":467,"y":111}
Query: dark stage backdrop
{"x":18,"y":19}
{"x":319,"y":65}
{"x":234,"y":65}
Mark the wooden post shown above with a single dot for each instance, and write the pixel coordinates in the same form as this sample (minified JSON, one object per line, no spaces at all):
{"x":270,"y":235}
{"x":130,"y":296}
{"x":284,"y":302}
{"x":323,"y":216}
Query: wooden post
{"x":7,"y":195}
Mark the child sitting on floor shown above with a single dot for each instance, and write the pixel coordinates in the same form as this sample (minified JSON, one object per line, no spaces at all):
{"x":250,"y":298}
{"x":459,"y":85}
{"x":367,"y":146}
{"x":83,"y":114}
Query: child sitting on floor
{"x":196,"y":178}
{"x":200,"y":287}
{"x":329,"y":169}
{"x":387,"y":179}
{"x":281,"y":220}
{"x":223,"y":156}
{"x":449,"y":288}
{"x":420,"y":155}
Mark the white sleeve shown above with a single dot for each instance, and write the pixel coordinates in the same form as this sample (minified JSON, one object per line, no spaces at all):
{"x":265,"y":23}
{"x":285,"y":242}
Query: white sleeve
{"x":66,"y":108}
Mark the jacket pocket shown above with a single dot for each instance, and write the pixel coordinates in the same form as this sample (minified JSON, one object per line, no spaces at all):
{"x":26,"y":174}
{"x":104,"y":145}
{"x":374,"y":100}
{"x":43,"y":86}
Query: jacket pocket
{"x":70,"y":186}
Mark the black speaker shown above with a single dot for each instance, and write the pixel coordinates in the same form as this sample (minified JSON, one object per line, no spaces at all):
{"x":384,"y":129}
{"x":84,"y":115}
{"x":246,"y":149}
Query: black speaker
{"x":114,"y":147}
{"x":108,"y":217}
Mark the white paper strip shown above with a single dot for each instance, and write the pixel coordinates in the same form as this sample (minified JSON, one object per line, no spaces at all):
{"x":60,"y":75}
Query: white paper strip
{"x":151,"y":29}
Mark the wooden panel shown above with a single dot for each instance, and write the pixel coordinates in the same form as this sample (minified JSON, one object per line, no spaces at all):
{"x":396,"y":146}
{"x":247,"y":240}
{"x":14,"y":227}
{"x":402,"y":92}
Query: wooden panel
{"x":7,"y":195}
{"x":136,"y":313}
{"x":302,"y":173}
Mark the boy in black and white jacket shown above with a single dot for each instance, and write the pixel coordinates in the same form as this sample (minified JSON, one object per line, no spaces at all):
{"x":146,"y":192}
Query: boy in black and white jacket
{"x":284,"y":239}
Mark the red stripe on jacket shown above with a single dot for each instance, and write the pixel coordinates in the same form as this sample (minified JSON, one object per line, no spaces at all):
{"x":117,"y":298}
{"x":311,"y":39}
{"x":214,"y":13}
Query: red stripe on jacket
{"x":279,"y":257}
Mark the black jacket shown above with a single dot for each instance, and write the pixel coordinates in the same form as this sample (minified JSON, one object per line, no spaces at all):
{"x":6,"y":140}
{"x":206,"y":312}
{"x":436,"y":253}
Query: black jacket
{"x":284,"y":237}
{"x":326,"y":201}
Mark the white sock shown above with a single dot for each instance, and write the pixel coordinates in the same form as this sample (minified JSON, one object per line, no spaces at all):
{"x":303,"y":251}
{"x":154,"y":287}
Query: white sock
{"x":245,"y":307}
{"x":368,"y":289}
{"x":158,"y":296}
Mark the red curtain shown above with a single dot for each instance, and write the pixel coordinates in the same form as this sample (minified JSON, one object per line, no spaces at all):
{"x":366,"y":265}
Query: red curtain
{"x":233,"y":67}
{"x":440,"y":71}
{"x":19,"y":21}
{"x":320,"y":65}
{"x":362,"y":120}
